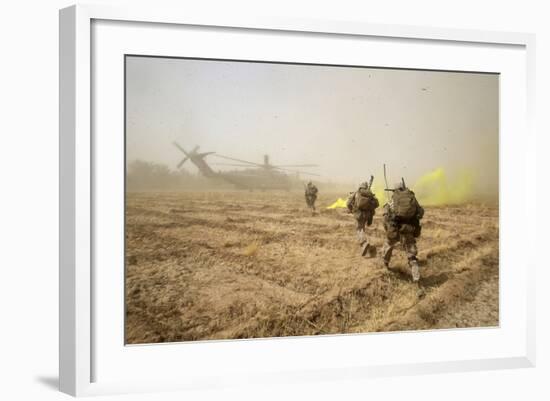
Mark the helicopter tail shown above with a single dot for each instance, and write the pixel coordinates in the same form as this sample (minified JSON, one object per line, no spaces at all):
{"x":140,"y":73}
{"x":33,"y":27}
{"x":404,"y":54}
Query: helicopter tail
{"x":197,"y":159}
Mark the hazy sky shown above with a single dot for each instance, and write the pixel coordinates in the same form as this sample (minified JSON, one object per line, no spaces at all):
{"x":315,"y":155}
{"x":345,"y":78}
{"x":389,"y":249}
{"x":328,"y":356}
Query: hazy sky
{"x":348,"y":120}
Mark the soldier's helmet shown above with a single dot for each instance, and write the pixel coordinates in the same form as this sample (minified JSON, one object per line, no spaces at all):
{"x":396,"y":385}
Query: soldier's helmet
{"x":364,"y":185}
{"x":309,"y":183}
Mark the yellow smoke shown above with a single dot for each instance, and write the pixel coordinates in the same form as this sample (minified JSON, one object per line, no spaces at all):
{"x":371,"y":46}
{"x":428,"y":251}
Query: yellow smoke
{"x":340,"y":203}
{"x":435,"y":188}
{"x":432,"y":189}
{"x":378,"y":190}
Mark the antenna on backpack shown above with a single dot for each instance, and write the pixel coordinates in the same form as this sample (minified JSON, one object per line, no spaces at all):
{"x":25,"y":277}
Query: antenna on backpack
{"x":386,"y":181}
{"x":403,"y":181}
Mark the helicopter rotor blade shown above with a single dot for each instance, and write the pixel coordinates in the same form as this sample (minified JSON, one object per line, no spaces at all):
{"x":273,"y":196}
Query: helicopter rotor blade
{"x":268,"y":166}
{"x":238,"y":175}
{"x":295,"y":165}
{"x":177,"y":145}
{"x":239,"y":160}
{"x":181,"y":163}
{"x":230,"y":164}
{"x":204,"y":154}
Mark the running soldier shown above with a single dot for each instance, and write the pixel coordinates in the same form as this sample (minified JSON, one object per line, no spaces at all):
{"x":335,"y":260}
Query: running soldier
{"x":363,"y":203}
{"x":402,"y":217}
{"x":311,"y":195}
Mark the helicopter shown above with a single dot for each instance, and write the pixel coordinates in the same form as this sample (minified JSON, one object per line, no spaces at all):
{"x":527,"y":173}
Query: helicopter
{"x":262,"y":176}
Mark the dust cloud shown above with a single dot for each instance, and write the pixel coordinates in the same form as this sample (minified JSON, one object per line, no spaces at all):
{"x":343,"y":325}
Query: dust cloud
{"x":437,"y":130}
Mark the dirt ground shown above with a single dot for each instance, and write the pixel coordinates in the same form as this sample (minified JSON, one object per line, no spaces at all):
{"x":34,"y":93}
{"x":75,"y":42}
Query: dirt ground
{"x":226,"y":265}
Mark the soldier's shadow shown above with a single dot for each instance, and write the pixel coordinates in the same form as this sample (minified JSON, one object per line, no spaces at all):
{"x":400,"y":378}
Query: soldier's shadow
{"x":400,"y":273}
{"x":432,"y":280}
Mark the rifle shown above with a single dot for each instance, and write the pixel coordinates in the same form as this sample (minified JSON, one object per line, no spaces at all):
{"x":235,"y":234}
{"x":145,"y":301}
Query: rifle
{"x":370,"y":181}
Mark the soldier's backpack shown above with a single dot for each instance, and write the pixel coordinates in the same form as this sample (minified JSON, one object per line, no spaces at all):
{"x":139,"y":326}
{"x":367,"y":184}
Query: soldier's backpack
{"x":404,"y":204}
{"x":365,"y":200}
{"x":311,"y":191}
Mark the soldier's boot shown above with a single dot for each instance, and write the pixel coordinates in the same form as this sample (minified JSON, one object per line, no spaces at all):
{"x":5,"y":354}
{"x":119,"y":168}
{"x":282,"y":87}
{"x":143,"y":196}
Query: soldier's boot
{"x":363,"y":242}
{"x":384,"y":260}
{"x":384,"y":263}
{"x":386,"y":255}
{"x":365,"y":248}
{"x":368,"y":250}
{"x":415,"y":271}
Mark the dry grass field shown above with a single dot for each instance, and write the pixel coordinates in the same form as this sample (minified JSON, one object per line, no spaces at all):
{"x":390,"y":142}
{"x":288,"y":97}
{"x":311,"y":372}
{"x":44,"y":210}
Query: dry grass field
{"x":225,"y":265}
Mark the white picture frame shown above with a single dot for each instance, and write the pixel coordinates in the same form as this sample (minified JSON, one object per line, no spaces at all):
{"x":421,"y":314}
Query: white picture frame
{"x":79,"y":160}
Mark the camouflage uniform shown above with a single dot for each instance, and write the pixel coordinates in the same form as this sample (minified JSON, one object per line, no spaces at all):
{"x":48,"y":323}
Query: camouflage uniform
{"x":405,"y":232}
{"x":311,"y":195}
{"x":363,"y":217}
